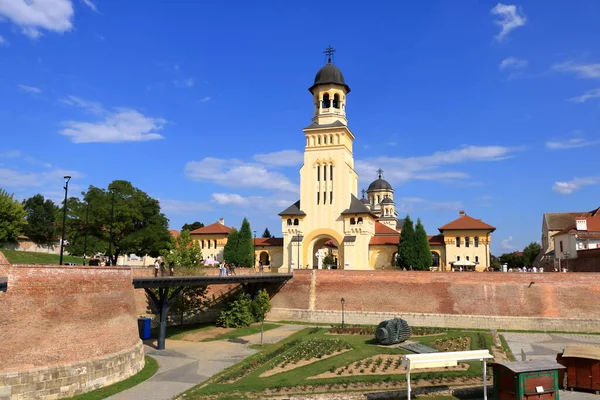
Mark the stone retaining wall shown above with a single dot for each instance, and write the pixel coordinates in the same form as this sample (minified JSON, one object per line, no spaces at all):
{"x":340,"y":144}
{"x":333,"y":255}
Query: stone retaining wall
{"x":437,"y":320}
{"x":68,"y":380}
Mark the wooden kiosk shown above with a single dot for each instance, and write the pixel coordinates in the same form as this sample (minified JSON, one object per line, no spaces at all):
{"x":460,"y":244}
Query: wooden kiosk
{"x":583,"y":367}
{"x":526,"y":380}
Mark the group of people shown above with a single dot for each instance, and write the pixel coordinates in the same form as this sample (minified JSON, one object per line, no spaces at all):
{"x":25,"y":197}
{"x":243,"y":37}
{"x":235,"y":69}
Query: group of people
{"x":226,"y":269}
{"x":161,"y":267}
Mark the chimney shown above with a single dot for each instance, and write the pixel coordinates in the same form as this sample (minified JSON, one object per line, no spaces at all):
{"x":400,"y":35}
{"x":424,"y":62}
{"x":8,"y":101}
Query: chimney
{"x":462,"y":213}
{"x":222,"y":221}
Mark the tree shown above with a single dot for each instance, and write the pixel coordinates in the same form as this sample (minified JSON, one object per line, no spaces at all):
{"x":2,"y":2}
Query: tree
{"x":328,"y":260}
{"x":261,"y":305}
{"x":531,"y":252}
{"x":495,"y":262}
{"x":185,"y":252}
{"x":231,"y":249}
{"x":245,"y":245}
{"x":135,"y":226}
{"x":423,"y":251}
{"x":267,"y":234}
{"x":42,"y":222}
{"x":513,"y":260}
{"x":12,"y":218}
{"x":191,"y":227}
{"x":237,"y":313}
{"x":406,"y":247}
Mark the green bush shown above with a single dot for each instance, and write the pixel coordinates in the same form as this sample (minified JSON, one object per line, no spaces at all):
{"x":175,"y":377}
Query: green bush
{"x":237,"y":313}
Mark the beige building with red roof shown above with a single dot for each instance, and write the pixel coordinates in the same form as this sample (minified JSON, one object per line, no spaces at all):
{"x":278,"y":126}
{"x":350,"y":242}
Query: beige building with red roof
{"x":212,"y":239}
{"x":582,"y":235}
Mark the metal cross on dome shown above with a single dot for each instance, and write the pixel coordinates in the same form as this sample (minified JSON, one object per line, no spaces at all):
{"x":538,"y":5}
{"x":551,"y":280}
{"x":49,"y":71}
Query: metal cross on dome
{"x":329,"y":53}
{"x":380,"y":173}
{"x":363,"y":193}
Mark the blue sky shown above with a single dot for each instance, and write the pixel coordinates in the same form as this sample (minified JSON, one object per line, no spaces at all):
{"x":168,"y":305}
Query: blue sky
{"x":488,"y":107}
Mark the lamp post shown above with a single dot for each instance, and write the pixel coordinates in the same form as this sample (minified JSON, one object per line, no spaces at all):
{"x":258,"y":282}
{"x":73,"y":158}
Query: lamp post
{"x":254,"y":251}
{"x":110,"y":232}
{"x":87,"y":214}
{"x":343,"y":301}
{"x":62,"y":238}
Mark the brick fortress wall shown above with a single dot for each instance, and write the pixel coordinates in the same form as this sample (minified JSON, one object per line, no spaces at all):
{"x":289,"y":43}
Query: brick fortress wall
{"x":69,"y":330}
{"x":548,"y":301}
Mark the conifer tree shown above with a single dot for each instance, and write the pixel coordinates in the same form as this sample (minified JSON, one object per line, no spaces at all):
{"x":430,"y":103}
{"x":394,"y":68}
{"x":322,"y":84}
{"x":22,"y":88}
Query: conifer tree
{"x":245,"y":245}
{"x":231,"y":250}
{"x":406,"y":247}
{"x":266,"y":233}
{"x":422,"y":249}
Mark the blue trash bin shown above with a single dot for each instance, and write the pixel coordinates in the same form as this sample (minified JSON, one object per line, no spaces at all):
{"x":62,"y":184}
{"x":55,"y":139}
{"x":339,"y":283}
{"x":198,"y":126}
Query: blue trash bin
{"x":144,"y":325}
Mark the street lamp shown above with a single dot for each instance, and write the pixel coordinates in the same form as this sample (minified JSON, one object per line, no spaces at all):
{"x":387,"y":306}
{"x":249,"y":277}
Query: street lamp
{"x":110,"y":232}
{"x":343,"y":301}
{"x":62,"y":238}
{"x":87,"y":214}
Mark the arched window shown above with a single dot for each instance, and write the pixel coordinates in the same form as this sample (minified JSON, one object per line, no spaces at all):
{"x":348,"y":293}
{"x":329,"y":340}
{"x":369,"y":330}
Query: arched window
{"x":336,"y":101}
{"x":319,"y":140}
{"x":289,"y":221}
{"x":203,"y":244}
{"x":326,"y":101}
{"x":296,"y":221}
{"x":476,"y":259}
{"x":352,"y":221}
{"x":208,"y":244}
{"x":215,"y":244}
{"x":331,"y":172}
{"x":360,"y":220}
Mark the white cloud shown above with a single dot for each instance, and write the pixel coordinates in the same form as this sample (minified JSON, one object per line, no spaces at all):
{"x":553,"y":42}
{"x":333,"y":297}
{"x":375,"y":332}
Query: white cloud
{"x":205,"y":99}
{"x":183,"y":207}
{"x":186,"y":83}
{"x":568,"y":187}
{"x":231,"y":172}
{"x":281,"y":158}
{"x":34,"y":16}
{"x":509,"y":19}
{"x":428,"y":167}
{"x":573,"y":143}
{"x":513,"y":63}
{"x":89,"y":106}
{"x":15,"y":178}
{"x":91,"y":5}
{"x":592,"y":94}
{"x":256,"y":202}
{"x":119,"y":125}
{"x":10,"y":154}
{"x":507,"y":243}
{"x":3,"y":41}
{"x":591,"y":71}
{"x":30,"y":89}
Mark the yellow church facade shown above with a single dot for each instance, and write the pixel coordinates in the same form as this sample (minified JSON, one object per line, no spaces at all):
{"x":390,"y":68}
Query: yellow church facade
{"x":330,"y":219}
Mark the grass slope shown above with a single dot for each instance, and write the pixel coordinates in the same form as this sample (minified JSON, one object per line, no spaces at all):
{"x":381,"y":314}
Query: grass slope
{"x":147,"y":372}
{"x":29,"y":257}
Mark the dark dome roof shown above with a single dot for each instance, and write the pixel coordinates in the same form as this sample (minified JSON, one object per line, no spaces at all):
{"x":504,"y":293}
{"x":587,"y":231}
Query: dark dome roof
{"x":364,"y":201}
{"x":387,"y":200}
{"x":329,"y":74}
{"x":380,"y":184}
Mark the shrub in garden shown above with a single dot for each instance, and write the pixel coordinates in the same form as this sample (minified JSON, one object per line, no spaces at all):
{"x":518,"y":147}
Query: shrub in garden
{"x":314,"y":348}
{"x":237,"y":313}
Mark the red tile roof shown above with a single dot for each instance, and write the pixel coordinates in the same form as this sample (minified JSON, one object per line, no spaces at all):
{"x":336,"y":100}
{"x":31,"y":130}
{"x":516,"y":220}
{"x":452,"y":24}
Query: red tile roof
{"x":212,"y":229}
{"x":268,"y":242}
{"x":383,"y":240}
{"x":593,"y":223}
{"x":466,"y":222}
{"x":381,"y":229}
{"x":174,"y":233}
{"x":436,"y":240}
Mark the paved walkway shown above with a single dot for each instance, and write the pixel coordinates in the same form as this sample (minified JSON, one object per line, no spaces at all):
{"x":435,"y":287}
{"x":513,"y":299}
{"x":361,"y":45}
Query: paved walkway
{"x":185,"y":364}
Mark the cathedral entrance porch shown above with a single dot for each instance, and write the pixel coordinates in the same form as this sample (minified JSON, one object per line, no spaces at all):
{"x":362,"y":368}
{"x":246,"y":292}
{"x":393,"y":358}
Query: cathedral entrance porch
{"x":325,"y":253}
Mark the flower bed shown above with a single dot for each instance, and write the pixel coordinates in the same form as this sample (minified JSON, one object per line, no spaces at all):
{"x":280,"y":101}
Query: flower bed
{"x":314,"y":348}
{"x":461,"y":343}
{"x":352,"y":330}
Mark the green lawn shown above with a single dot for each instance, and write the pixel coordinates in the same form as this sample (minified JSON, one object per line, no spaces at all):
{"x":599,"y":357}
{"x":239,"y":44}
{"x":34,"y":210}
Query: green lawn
{"x":180,"y":331}
{"x":147,"y":372}
{"x":29,"y":257}
{"x":244,"y":377}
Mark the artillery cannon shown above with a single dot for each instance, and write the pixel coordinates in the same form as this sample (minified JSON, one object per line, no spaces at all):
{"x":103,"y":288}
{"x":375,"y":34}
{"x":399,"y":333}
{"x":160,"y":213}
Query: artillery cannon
{"x":393,"y":331}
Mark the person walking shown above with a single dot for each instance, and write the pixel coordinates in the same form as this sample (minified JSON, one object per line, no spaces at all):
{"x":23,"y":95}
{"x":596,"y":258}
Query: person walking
{"x":156,"y":265}
{"x":171,"y":269}
{"x":162,"y":269}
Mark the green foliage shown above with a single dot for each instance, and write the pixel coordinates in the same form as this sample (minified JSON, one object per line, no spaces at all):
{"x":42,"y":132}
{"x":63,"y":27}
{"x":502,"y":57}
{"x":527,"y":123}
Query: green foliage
{"x":185,"y":252}
{"x":192,"y":226}
{"x":261,"y":305}
{"x":42,"y":219}
{"x":530,"y":253}
{"x":191,"y":301}
{"x":328,"y":260}
{"x":314,"y":348}
{"x":406,"y":248}
{"x":138,"y":226}
{"x":230,"y":251}
{"x":267,"y":233}
{"x":513,"y":260}
{"x":237,"y":313}
{"x":495,"y":262}
{"x":245,"y":245}
{"x":30,"y":257}
{"x":423,"y":251}
{"x":12,"y":217}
